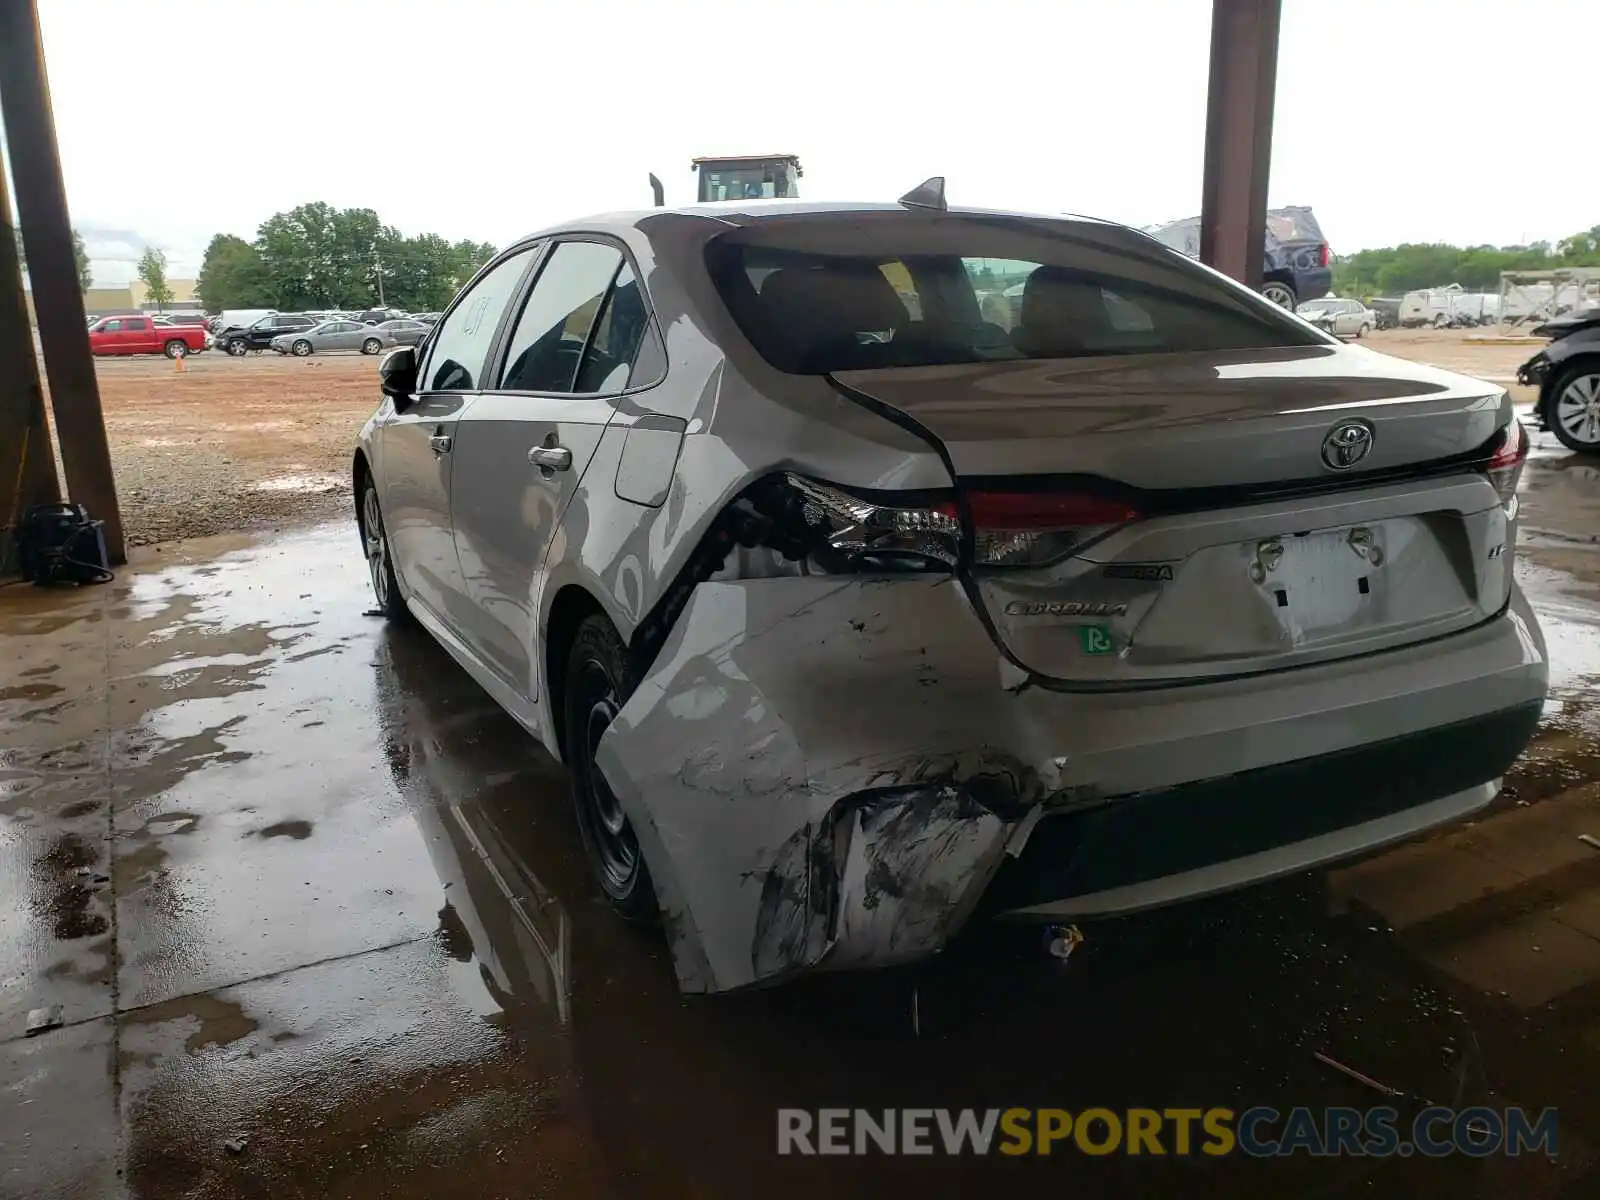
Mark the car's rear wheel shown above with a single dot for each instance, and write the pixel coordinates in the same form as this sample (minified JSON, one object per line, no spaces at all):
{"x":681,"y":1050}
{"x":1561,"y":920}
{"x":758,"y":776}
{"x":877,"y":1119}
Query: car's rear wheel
{"x":175,"y":348}
{"x":371,"y":346}
{"x":1363,"y":331}
{"x":599,"y":680}
{"x":1279,"y":293}
{"x":236,"y":347}
{"x":380,"y":567}
{"x":301,"y":348}
{"x":1573,"y":410}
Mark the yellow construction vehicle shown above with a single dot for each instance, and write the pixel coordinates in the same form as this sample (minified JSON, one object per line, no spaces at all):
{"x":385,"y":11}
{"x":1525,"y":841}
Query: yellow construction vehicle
{"x":742,"y":177}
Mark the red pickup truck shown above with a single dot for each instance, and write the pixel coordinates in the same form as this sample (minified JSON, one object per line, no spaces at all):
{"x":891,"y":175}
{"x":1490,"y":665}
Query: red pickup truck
{"x":138,"y":334}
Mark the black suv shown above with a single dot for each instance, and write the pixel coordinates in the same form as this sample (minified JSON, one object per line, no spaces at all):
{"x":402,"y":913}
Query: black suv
{"x":259,"y":336}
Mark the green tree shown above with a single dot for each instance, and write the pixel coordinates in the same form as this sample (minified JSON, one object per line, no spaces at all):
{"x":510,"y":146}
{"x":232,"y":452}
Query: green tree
{"x":80,"y":255}
{"x":153,"y":271}
{"x":232,"y":276}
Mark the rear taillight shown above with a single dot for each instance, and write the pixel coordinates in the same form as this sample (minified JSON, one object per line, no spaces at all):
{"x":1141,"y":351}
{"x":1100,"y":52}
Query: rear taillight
{"x":1010,"y":529}
{"x":1504,"y":467}
{"x":1325,"y":256}
{"x":1015,"y":529}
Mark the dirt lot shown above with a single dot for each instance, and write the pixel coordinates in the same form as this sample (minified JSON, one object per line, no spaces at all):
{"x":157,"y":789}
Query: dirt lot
{"x":233,"y":443}
{"x":264,"y":442}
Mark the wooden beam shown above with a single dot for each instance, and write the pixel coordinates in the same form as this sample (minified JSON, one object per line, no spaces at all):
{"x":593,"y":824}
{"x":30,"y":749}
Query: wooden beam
{"x":1244,"y":72}
{"x":53,"y":271}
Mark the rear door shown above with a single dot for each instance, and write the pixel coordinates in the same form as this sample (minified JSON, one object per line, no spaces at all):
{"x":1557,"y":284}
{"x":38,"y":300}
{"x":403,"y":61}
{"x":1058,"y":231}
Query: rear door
{"x":523,"y":445}
{"x":418,"y":444}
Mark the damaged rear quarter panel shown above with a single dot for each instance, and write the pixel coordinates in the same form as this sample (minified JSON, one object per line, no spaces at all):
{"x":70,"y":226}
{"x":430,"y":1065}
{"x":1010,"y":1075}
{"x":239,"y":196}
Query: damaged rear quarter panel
{"x":813,"y":773}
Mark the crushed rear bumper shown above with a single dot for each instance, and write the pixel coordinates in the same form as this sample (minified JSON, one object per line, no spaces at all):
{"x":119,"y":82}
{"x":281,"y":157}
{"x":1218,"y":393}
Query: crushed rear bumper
{"x":830,"y":772}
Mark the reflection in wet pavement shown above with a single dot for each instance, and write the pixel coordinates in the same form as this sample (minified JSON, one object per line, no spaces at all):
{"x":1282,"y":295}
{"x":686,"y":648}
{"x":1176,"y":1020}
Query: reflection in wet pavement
{"x":317,"y":916}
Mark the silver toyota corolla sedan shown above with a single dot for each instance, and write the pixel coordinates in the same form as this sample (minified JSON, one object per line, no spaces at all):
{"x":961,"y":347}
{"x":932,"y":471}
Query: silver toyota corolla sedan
{"x":866,"y":593}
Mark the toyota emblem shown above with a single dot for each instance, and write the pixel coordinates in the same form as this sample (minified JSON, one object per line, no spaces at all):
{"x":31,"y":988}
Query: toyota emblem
{"x":1347,"y":443}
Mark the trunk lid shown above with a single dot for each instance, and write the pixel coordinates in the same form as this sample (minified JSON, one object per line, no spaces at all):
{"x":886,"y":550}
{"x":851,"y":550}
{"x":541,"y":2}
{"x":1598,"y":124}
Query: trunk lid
{"x":1175,"y":421}
{"x":1251,"y":552}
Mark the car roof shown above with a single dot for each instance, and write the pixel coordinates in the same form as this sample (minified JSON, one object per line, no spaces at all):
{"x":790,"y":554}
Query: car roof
{"x":749,"y":212}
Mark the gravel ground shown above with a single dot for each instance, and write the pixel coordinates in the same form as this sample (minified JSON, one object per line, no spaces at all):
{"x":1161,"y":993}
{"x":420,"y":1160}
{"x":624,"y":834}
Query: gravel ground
{"x":233,"y":444}
{"x":263,"y":442}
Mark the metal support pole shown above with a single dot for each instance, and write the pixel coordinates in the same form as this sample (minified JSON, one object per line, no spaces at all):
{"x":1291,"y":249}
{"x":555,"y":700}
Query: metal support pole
{"x":53,"y":270}
{"x":1244,"y":70}
{"x":27,"y":460}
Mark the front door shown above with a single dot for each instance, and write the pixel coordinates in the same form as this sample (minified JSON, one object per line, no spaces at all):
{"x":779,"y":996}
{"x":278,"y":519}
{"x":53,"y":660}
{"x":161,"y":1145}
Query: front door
{"x":523,"y":447}
{"x":418,"y":444}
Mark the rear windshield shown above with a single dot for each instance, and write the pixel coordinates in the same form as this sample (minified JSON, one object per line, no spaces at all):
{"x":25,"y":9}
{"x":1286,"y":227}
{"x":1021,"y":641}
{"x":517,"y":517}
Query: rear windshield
{"x":819,"y":293}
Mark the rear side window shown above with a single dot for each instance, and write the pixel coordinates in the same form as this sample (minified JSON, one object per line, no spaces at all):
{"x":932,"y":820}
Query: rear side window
{"x":138,"y":324}
{"x":565,"y":341}
{"x":817,"y":294}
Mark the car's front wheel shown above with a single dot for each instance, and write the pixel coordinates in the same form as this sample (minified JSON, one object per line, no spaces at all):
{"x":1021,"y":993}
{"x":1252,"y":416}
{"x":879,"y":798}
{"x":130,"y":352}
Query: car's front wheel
{"x":1573,"y":410}
{"x":301,"y":348}
{"x":599,"y":680}
{"x":236,"y":347}
{"x":380,"y":566}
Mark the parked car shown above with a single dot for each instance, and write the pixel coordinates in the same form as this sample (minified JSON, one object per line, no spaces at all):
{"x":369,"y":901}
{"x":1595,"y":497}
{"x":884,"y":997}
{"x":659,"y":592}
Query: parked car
{"x":374,"y":316}
{"x":1344,"y":318}
{"x":845,"y":619}
{"x":334,"y":335}
{"x":405,"y":331}
{"x":238,"y":318}
{"x":183,"y":318}
{"x":259,"y":335}
{"x":427,"y":318}
{"x":1567,"y":374}
{"x":1297,"y":263}
{"x":140,"y":334}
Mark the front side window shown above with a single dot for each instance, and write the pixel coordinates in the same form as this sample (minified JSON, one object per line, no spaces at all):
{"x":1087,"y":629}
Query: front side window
{"x":552,"y":332}
{"x":461,"y":341}
{"x":111,"y":327}
{"x":818,"y":294}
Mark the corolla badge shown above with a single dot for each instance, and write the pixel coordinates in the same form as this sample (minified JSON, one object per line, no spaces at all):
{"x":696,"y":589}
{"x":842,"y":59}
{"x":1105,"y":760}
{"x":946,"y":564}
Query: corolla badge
{"x":1346,"y":444}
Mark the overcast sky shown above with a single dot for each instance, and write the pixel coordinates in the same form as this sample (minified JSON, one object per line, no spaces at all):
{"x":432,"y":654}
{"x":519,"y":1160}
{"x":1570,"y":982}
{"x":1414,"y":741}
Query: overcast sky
{"x":1397,"y":120}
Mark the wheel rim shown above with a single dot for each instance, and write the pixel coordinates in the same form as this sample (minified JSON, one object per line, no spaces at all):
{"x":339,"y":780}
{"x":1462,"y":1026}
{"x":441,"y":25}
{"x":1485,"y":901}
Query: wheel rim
{"x":371,"y":347}
{"x":615,"y":845}
{"x":1279,"y":295}
{"x":302,"y":348}
{"x":1578,"y":409}
{"x":377,"y":546}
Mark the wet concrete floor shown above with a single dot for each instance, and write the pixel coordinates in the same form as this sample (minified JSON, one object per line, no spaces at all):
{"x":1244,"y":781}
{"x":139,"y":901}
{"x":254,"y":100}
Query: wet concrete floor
{"x":315,"y":914}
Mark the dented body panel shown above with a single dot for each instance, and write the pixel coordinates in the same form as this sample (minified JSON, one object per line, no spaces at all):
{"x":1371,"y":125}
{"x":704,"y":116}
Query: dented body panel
{"x":829,"y":772}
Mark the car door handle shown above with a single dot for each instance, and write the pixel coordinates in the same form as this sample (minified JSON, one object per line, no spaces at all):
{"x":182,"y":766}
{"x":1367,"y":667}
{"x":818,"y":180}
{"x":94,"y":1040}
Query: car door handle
{"x":440,"y":443}
{"x":551,"y":458}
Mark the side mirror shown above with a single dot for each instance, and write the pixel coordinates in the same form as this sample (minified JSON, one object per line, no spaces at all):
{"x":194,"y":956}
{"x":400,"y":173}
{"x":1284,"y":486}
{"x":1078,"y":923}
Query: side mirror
{"x":397,"y":373}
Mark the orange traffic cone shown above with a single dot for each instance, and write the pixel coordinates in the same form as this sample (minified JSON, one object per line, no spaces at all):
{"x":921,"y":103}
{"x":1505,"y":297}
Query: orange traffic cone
{"x":179,"y":363}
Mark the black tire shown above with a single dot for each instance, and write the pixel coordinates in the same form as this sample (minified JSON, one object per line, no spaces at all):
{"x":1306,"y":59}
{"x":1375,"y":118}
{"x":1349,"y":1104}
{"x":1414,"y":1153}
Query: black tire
{"x":380,"y":565}
{"x":599,"y":680}
{"x":371,"y":346}
{"x":237,"y":347}
{"x":1363,"y":331}
{"x":301,"y":348}
{"x":1552,"y":421}
{"x":175,"y":348}
{"x":1281,"y":294}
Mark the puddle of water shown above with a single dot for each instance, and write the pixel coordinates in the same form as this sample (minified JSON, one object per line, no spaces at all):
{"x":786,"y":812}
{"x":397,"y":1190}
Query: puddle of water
{"x":301,"y":483}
